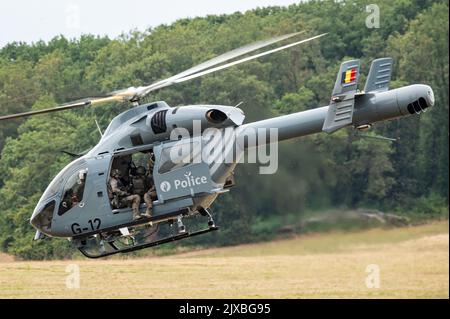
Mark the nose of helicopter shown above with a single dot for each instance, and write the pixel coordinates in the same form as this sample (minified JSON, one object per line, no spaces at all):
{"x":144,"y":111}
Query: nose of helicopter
{"x":42,"y":216}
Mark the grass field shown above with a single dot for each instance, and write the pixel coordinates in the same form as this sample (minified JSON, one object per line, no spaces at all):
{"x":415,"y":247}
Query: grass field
{"x":413,"y":262}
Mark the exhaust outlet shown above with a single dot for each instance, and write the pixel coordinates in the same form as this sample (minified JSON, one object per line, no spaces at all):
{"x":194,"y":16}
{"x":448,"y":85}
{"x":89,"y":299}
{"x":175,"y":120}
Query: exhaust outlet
{"x":216,"y":116}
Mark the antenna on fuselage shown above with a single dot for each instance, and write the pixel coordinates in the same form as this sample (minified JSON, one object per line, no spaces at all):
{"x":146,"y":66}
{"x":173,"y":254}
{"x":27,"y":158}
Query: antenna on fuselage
{"x":98,"y":127}
{"x":378,"y":137}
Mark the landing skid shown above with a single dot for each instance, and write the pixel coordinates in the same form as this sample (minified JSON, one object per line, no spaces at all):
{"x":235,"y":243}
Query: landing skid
{"x":115,"y":250}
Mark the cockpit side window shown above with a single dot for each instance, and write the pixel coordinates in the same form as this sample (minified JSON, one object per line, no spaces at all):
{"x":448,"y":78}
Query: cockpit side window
{"x":57,"y":183}
{"x":73,"y":191}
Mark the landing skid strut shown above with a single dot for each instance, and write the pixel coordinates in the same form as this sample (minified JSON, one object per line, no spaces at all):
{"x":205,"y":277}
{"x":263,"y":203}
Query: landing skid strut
{"x":117,"y":250}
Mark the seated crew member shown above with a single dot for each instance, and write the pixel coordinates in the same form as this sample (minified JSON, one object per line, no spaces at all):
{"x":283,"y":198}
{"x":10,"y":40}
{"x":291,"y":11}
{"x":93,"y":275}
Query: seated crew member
{"x":141,"y":184}
{"x":124,"y":164}
{"x":150,"y":196}
{"x":122,"y":195}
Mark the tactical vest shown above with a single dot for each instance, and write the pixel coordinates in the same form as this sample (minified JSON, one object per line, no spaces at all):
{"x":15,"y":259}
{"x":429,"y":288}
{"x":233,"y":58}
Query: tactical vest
{"x":139,"y":185}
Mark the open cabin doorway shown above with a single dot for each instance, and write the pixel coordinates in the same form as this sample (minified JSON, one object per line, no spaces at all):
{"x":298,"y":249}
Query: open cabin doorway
{"x":135,"y":177}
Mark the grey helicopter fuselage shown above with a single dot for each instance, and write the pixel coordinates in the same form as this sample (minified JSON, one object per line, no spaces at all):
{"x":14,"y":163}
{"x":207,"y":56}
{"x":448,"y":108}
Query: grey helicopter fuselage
{"x":149,"y":127}
{"x":140,"y":129}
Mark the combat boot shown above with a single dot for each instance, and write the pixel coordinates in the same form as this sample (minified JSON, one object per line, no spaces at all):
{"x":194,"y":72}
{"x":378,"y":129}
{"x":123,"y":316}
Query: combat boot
{"x":149,"y":204}
{"x":136,"y":214}
{"x":148,"y":212}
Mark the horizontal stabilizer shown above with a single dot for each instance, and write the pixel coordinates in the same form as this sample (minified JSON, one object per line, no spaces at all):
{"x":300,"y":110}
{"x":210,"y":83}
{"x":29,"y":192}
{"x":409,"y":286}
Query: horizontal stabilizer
{"x":340,"y":112}
{"x":379,"y":75}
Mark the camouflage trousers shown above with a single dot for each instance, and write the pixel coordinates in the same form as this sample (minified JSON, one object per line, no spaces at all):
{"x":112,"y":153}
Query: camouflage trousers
{"x":134,"y":200}
{"x":148,"y":199}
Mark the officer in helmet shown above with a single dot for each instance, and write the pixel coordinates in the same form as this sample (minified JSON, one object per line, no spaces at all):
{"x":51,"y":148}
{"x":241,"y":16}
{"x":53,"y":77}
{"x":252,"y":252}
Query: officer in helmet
{"x":141,"y":185}
{"x":121,"y":195}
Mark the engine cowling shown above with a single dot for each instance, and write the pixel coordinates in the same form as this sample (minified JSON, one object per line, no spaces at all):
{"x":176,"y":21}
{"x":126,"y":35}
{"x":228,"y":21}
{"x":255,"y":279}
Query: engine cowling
{"x":203,"y":117}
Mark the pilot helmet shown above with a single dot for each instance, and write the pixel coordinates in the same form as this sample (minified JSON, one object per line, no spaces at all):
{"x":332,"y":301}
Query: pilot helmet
{"x":82,"y":176}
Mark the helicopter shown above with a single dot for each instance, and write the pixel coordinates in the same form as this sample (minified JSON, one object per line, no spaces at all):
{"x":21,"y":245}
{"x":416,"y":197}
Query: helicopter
{"x":79,"y":205}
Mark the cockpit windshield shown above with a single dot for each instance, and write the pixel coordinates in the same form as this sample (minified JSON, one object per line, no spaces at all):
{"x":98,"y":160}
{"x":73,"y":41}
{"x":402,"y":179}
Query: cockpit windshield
{"x":73,"y":191}
{"x":57,"y":183}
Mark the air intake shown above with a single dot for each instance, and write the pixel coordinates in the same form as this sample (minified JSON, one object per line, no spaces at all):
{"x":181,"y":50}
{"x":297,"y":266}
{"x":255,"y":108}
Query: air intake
{"x":158,"y":122}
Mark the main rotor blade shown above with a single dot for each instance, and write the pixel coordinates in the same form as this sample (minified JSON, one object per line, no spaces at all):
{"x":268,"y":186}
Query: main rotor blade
{"x":221,"y":67}
{"x":86,"y":102}
{"x":227,"y":56}
{"x":133,"y":94}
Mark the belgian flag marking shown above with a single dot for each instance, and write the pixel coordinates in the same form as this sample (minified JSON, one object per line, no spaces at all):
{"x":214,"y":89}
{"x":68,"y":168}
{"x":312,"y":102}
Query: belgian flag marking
{"x":349,"y":76}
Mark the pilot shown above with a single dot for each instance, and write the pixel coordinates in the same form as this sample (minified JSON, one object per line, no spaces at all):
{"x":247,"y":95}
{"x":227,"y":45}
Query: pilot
{"x":123,"y":196}
{"x":67,"y":202}
{"x":78,"y":188}
{"x":141,"y":185}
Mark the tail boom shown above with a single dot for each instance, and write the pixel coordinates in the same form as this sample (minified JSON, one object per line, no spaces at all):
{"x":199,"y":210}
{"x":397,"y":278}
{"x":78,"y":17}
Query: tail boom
{"x":369,"y":109}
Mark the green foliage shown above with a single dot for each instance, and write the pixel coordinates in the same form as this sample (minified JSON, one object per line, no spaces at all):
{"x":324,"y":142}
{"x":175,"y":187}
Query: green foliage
{"x":296,"y":102}
{"x":318,"y":172}
{"x":431,"y":206}
{"x":370,"y":168}
{"x":422,"y":55}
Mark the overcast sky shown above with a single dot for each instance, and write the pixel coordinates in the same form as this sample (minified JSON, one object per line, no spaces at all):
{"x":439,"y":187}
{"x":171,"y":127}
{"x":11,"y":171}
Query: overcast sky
{"x":30,"y":21}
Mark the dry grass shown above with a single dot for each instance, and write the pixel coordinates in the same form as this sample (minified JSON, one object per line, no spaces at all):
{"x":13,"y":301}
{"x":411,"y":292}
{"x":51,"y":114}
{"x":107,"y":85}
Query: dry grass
{"x":414,"y":263}
{"x":6,"y":258}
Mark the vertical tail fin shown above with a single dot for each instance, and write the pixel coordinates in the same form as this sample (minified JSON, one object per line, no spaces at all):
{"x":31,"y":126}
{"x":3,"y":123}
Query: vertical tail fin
{"x":379,"y":75}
